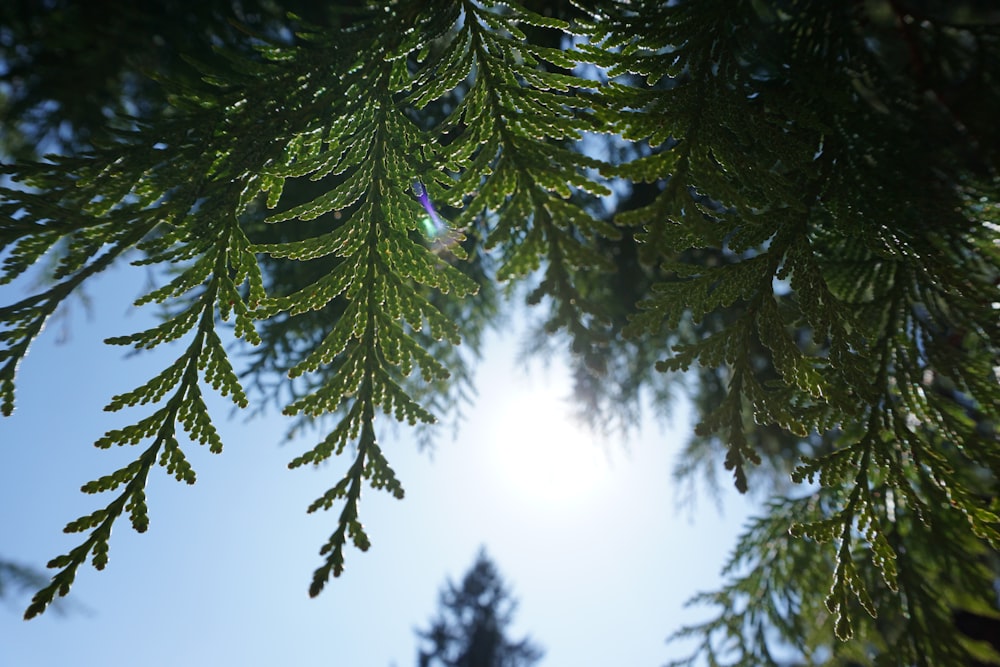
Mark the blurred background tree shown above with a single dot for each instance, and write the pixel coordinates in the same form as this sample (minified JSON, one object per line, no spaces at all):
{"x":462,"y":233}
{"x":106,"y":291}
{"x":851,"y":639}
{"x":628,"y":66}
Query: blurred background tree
{"x":473,"y":622}
{"x":19,"y":580}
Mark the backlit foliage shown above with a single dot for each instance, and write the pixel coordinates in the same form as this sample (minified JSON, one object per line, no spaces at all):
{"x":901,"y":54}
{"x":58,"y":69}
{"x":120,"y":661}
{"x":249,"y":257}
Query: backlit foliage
{"x":821,"y":244}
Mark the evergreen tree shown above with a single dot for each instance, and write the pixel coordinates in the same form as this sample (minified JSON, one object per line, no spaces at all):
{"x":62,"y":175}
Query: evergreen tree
{"x":15,"y":577}
{"x":18,"y":579}
{"x":470,"y":629}
{"x":797,"y":207}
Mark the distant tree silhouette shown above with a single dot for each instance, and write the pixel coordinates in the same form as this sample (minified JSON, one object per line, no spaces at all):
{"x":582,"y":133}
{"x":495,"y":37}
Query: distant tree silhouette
{"x":15,"y":576}
{"x":16,"y":579}
{"x":470,"y":629}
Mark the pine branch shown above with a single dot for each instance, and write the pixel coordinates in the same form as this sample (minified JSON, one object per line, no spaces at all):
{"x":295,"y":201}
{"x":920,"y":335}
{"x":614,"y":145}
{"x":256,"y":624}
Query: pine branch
{"x":380,"y":265}
{"x":770,"y":601}
{"x":185,"y":407}
{"x":524,"y":115}
{"x":171,"y":225}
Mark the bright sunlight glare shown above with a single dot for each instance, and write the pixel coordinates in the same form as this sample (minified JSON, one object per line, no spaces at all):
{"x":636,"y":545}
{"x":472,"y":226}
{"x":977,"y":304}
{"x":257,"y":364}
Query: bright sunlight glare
{"x":542,"y":454}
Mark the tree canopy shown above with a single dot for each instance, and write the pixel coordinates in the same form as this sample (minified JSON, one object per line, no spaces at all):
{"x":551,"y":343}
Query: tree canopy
{"x":793,"y":205}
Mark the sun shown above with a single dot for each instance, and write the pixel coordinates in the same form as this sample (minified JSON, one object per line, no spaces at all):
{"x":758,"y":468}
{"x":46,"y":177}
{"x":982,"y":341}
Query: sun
{"x":541,"y":454}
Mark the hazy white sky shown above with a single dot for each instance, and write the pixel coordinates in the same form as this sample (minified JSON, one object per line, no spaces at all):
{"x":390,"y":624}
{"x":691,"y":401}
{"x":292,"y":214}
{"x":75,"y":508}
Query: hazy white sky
{"x":601,"y":566}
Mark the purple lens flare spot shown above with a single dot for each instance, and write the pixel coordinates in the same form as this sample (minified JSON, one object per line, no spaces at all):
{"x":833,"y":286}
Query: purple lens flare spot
{"x":432,"y":224}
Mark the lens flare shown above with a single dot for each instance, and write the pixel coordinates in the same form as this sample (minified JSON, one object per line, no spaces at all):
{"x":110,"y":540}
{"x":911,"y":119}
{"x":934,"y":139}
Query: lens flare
{"x":431,"y":224}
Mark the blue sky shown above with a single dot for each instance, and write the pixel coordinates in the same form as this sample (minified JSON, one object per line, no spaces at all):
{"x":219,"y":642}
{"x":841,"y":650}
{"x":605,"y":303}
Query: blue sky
{"x":601,"y":566}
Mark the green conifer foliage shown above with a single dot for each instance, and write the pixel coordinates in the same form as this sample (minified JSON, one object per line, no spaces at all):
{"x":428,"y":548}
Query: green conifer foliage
{"x":815,"y":243}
